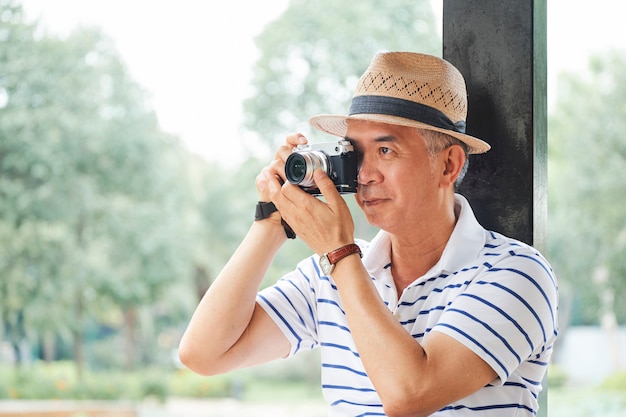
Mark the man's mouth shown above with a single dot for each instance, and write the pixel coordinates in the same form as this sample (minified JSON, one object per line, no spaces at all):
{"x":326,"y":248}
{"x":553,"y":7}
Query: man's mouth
{"x":372,"y":201}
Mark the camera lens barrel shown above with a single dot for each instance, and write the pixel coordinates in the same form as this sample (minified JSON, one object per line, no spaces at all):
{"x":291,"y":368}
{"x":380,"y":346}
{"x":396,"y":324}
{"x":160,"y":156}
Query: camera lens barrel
{"x":299,"y":167}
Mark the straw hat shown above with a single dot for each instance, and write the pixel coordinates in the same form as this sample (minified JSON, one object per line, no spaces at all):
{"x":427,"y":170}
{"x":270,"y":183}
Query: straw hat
{"x":408,"y":89}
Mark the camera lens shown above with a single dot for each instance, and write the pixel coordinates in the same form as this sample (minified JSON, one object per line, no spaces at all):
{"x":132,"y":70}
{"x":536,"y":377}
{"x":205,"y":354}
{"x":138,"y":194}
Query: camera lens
{"x":299,"y":167}
{"x":295,"y":168}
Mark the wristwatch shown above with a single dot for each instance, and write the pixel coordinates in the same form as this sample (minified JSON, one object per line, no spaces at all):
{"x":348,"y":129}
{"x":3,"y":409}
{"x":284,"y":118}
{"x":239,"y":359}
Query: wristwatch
{"x":330,"y":259}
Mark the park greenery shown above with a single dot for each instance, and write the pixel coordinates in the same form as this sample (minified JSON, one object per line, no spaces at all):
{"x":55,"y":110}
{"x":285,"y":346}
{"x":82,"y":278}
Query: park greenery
{"x":111,"y":229}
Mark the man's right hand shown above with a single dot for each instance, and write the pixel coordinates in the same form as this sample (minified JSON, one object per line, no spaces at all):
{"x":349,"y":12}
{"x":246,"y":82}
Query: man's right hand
{"x":275,"y":171}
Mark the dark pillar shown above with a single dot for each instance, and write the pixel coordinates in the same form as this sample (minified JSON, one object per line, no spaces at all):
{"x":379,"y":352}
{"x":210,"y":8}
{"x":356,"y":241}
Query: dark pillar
{"x":500,"y":48}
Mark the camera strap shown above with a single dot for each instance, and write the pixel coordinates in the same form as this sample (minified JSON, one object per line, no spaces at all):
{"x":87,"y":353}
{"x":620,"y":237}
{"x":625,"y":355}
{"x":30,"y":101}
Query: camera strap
{"x":263,"y":211}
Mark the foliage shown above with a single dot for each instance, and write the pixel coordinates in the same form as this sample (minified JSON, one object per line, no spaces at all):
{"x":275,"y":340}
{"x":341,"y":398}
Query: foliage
{"x":185,"y":383}
{"x":312,"y":56}
{"x":103,"y":217}
{"x":58,"y":380}
{"x":617,"y":381}
{"x":108,"y":225}
{"x":557,"y":376}
{"x":586,"y":402}
{"x":587,"y":152}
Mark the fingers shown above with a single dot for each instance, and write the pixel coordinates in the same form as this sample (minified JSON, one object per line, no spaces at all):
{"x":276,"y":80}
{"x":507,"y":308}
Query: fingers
{"x":296,"y":139}
{"x":322,"y":225}
{"x":326,"y":187}
{"x":275,"y":171}
{"x":291,"y":142}
{"x":262,"y":183}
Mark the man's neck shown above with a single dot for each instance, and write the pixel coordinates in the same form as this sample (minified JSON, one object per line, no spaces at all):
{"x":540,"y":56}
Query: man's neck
{"x":417,"y":251}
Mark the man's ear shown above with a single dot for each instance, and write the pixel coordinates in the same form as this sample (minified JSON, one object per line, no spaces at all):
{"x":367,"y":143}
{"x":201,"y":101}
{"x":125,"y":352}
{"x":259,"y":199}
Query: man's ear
{"x":453,"y":158}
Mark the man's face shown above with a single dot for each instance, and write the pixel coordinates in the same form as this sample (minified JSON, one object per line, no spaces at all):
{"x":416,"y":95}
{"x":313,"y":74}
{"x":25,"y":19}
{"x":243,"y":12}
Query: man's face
{"x":397,"y":183}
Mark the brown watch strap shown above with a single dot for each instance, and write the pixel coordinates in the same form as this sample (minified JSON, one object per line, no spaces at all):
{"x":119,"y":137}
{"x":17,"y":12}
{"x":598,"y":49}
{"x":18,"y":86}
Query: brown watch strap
{"x":338,"y":254}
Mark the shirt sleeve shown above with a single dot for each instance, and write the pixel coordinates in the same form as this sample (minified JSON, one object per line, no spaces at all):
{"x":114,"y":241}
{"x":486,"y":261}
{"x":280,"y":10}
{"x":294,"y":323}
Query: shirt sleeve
{"x":508,"y":314}
{"x":291,"y":303}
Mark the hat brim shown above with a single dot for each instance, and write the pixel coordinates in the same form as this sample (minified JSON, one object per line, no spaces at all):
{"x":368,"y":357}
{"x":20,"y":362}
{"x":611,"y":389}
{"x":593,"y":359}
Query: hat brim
{"x":338,"y":125}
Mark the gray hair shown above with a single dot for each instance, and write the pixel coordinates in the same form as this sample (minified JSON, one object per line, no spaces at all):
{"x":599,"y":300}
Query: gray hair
{"x":437,"y":142}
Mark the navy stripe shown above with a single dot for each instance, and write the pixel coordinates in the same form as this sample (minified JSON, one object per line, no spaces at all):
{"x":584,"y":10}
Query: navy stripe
{"x":522,"y":300}
{"x":507,"y":316}
{"x":334,"y":324}
{"x":306,"y":277}
{"x":420,"y":335}
{"x":436,"y":290}
{"x":550,"y":274}
{"x":331,"y":302}
{"x":407,"y":109}
{"x":341,"y":347}
{"x":533,"y":281}
{"x":354,"y":403}
{"x":423,"y":313}
{"x":540,"y":262}
{"x":316,"y":266}
{"x":304,"y":297}
{"x":280,"y":290}
{"x":490,"y":407}
{"x":522,"y":386}
{"x":456,"y":329}
{"x":496,"y":334}
{"x":514,"y":384}
{"x":344,"y":368}
{"x":347,"y":388}
{"x":469,"y":268}
{"x":285,"y":322}
{"x":531,"y":382}
{"x":327,"y":279}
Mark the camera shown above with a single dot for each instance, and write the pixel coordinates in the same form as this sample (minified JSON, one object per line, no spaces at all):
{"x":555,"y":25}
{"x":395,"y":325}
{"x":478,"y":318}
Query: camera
{"x":338,"y":160}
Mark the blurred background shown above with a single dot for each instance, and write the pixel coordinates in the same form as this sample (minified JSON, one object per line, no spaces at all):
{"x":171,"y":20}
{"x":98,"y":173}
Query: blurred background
{"x":130,"y":137}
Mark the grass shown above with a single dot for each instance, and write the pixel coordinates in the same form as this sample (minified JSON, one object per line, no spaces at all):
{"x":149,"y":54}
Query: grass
{"x":586,"y":402}
{"x":283,"y":392}
{"x":271,"y":385}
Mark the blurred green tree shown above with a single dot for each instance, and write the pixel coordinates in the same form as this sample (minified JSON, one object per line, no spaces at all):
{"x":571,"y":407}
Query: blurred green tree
{"x":90,"y":188}
{"x":312,"y":57}
{"x":587,"y":156}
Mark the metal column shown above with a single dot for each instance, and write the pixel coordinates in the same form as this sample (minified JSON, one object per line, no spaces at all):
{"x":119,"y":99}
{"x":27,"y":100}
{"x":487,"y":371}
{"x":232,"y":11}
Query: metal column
{"x":500,"y":48}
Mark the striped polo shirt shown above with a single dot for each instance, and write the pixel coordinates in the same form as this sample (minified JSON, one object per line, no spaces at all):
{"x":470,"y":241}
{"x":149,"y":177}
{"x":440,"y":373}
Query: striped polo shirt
{"x":493,"y":294}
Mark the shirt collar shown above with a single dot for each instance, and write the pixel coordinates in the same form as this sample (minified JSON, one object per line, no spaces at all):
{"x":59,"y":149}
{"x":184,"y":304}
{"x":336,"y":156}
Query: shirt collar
{"x":464,"y":245}
{"x":466,"y":241}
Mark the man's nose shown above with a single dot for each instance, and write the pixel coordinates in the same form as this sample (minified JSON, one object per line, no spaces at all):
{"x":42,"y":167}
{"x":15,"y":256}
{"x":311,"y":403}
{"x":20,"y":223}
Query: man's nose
{"x":367,"y":172}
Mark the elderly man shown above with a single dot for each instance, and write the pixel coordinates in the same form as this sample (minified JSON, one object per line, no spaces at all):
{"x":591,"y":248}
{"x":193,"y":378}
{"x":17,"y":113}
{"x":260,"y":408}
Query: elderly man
{"x":435,"y":315}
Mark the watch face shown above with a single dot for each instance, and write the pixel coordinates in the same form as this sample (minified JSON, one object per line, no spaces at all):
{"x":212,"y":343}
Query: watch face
{"x":325,"y":264}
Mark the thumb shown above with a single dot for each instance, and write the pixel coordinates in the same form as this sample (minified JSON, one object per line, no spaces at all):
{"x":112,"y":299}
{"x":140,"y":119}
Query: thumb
{"x":326,"y":186}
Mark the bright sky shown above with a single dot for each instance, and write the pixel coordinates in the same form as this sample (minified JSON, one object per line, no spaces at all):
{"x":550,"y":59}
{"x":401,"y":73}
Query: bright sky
{"x":196,"y":56}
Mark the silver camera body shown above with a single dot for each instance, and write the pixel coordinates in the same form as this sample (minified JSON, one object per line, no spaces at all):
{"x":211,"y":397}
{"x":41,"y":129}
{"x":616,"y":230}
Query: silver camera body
{"x":337,"y":159}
